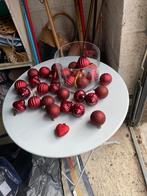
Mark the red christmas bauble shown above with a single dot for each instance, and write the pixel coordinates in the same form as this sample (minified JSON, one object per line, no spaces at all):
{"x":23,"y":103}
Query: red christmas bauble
{"x":44,"y":72}
{"x":82,"y":62}
{"x":79,"y":95}
{"x":32,"y":72}
{"x":78,"y":109}
{"x":72,"y":65}
{"x":92,"y":75}
{"x":65,"y":72}
{"x":54,"y":71}
{"x":47,"y":100}
{"x":63,"y":93}
{"x":91,"y":99}
{"x":34,"y":81}
{"x":54,"y":87}
{"x":69,"y":81}
{"x":53,"y":111}
{"x":42,"y":88}
{"x":101,"y":92}
{"x":34,"y":102}
{"x":61,"y":130}
{"x":97,"y":118}
{"x":19,"y":106}
{"x":20,"y":84}
{"x":24,"y":93}
{"x":105,"y":79}
{"x":66,"y":106}
{"x":82,"y":82}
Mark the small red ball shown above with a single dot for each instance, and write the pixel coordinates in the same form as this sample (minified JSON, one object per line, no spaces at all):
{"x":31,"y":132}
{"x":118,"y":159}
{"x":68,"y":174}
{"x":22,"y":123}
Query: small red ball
{"x":19,"y":106}
{"x":83,"y":62}
{"x":42,"y":88}
{"x":32,"y":72}
{"x":78,"y":109}
{"x":24,"y":93}
{"x":63,"y":93}
{"x":70,"y":81}
{"x":54,"y":87}
{"x":53,"y":111}
{"x":97,"y":118}
{"x":79,"y":95}
{"x":72,"y":65}
{"x":34,"y":102}
{"x":92,"y":75}
{"x":44,"y":72}
{"x":105,"y":79}
{"x":20,"y":84}
{"x":101,"y":91}
{"x":91,"y":99}
{"x":82,"y":82}
{"x":47,"y":100}
{"x":65,"y":72}
{"x":66,"y":106}
{"x":34,"y":81}
{"x":54,"y":71}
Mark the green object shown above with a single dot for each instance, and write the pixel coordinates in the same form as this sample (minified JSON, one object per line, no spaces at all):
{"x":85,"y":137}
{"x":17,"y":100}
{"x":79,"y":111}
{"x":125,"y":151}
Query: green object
{"x":4,"y":9}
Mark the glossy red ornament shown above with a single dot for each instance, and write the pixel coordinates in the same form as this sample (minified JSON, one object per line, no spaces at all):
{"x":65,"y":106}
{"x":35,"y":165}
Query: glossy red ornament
{"x":66,"y":106}
{"x":32,"y":72}
{"x":61,"y":130}
{"x":91,"y":99}
{"x":19,"y":106}
{"x":101,"y":92}
{"x":97,"y":118}
{"x":20,"y":84}
{"x":44,"y":72}
{"x":65,"y":72}
{"x":34,"y":81}
{"x":79,"y":95}
{"x":82,"y":82}
{"x":24,"y":92}
{"x":70,"y":81}
{"x":42,"y":88}
{"x":53,"y":111}
{"x":72,"y":65}
{"x":34,"y":102}
{"x":63,"y":93}
{"x":78,"y":109}
{"x":47,"y":100}
{"x":54,"y":71}
{"x":105,"y":79}
{"x":82,"y":62}
{"x":54,"y":87}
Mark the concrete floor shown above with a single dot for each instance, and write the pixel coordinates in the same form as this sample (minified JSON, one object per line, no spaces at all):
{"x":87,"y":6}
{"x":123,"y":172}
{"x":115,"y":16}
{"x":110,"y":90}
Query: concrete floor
{"x":114,"y":169}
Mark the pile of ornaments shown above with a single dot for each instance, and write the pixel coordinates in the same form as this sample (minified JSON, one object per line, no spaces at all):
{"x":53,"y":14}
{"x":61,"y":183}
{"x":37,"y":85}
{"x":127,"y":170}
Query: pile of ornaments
{"x":41,"y":89}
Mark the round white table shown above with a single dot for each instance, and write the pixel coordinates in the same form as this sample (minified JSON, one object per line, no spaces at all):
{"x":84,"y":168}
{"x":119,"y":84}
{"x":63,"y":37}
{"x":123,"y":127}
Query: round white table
{"x":33,"y":131}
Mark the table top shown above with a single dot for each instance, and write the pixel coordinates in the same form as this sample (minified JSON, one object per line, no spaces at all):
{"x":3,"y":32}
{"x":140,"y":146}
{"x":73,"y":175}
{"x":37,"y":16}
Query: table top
{"x":33,"y":131}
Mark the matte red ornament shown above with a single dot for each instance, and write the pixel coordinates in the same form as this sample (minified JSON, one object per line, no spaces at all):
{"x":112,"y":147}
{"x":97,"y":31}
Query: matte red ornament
{"x":20,"y":84}
{"x":105,"y":79}
{"x":83,"y":62}
{"x":19,"y":106}
{"x":61,"y":130}
{"x":66,"y":106}
{"x":32,"y":72}
{"x":79,"y":95}
{"x":47,"y":100}
{"x":91,"y":99}
{"x":34,"y":102}
{"x":53,"y":111}
{"x":70,"y":81}
{"x":44,"y":72}
{"x":65,"y":72}
{"x":72,"y":65}
{"x":82,"y":82}
{"x":97,"y":118}
{"x":34,"y":81}
{"x":101,"y":92}
{"x":78,"y":109}
{"x":24,"y":92}
{"x":54,"y":87}
{"x":42,"y":88}
{"x":63,"y":93}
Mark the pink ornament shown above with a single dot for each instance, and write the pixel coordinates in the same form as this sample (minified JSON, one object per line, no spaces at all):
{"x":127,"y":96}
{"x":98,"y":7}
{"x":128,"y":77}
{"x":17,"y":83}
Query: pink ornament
{"x":54,"y":87}
{"x":91,"y":99}
{"x":47,"y":100}
{"x":42,"y":88}
{"x":105,"y":79}
{"x":63,"y":93}
{"x":97,"y":118}
{"x":79,"y":95}
{"x":66,"y":106}
{"x":19,"y":106}
{"x":32,"y":72}
{"x":83,"y":62}
{"x":82,"y":82}
{"x":101,"y":92}
{"x":20,"y":84}
{"x":53,"y":111}
{"x":34,"y":81}
{"x":24,"y":93}
{"x":44,"y":72}
{"x":78,"y":109}
{"x":34,"y":102}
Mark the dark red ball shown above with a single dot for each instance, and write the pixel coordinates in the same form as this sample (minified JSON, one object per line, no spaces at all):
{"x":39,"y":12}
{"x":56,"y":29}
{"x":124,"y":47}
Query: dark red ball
{"x":24,"y":93}
{"x":91,"y":99}
{"x":105,"y":79}
{"x":47,"y":100}
{"x":82,"y":82}
{"x":79,"y":95}
{"x":63,"y":93}
{"x":20,"y":84}
{"x":34,"y":81}
{"x":78,"y":109}
{"x":54,"y":71}
{"x":54,"y":87}
{"x":32,"y":72}
{"x":42,"y":88}
{"x":97,"y":118}
{"x":34,"y":102}
{"x":66,"y":106}
{"x":65,"y":72}
{"x":69,"y":81}
{"x":83,"y":62}
{"x":19,"y":106}
{"x":53,"y":111}
{"x":44,"y":72}
{"x":101,"y":91}
{"x":72,"y":65}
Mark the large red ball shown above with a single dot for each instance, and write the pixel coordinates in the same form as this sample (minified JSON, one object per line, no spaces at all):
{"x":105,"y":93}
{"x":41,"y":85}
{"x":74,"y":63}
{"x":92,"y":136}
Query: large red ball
{"x":69,"y":81}
{"x":32,"y":72}
{"x":66,"y":106}
{"x":19,"y":106}
{"x":91,"y":99}
{"x":101,"y":91}
{"x":82,"y":82}
{"x":34,"y":81}
{"x":47,"y":100}
{"x":79,"y":95}
{"x":20,"y":84}
{"x":34,"y":102}
{"x":97,"y":118}
{"x":44,"y":72}
{"x":63,"y":93}
{"x":53,"y":111}
{"x":24,"y":93}
{"x":42,"y":88}
{"x":105,"y":79}
{"x":83,"y":62}
{"x":78,"y":109}
{"x":65,"y":72}
{"x":54,"y":87}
